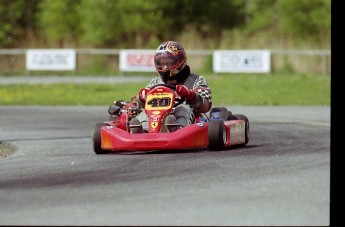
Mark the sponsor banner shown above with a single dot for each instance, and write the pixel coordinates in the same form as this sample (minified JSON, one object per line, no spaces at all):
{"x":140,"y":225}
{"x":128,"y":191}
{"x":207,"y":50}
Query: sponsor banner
{"x":137,"y":60}
{"x":51,"y":59}
{"x":241,"y":61}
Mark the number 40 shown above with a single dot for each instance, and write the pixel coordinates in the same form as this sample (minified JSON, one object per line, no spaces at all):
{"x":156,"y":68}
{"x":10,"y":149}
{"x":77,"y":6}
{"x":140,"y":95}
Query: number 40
{"x":156,"y":102}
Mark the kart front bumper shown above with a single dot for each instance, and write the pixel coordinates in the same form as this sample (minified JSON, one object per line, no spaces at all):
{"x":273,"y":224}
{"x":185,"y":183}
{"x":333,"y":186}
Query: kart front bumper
{"x":191,"y":136}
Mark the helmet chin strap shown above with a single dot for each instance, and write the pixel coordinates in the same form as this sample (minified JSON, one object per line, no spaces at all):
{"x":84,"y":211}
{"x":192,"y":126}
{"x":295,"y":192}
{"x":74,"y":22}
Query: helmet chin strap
{"x":178,"y":78}
{"x":172,"y":82}
{"x":165,"y":76}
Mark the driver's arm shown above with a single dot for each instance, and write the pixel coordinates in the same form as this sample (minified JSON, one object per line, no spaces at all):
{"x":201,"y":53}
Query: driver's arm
{"x":203,"y":100}
{"x":153,"y":82}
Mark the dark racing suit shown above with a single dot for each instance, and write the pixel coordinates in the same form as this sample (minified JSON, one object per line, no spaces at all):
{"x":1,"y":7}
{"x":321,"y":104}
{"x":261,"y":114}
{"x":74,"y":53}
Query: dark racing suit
{"x":185,"y":112}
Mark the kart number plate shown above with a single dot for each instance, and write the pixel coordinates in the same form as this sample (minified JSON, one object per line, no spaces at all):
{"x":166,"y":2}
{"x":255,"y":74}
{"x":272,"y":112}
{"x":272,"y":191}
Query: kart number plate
{"x":159,"y":101}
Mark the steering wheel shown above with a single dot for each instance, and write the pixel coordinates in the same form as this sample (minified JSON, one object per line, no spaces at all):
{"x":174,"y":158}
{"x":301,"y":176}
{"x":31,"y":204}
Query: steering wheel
{"x":164,"y":85}
{"x":178,"y":100}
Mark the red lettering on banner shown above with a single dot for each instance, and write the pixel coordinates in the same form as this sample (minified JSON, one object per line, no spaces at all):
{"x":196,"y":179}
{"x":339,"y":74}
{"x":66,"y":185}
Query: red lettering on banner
{"x":140,"y":60}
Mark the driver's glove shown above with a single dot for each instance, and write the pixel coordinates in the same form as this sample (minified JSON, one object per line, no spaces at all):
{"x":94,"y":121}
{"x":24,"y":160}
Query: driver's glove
{"x":143,"y":94}
{"x":185,"y":92}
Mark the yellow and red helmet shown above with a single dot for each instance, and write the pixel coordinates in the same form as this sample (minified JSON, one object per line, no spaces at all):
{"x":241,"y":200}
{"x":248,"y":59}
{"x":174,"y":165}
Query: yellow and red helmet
{"x":170,"y":58}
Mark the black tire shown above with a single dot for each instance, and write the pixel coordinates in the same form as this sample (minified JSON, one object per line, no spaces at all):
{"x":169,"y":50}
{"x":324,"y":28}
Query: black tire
{"x":112,"y":117}
{"x":216,"y":135}
{"x":231,"y":117}
{"x":244,"y":118}
{"x":223,"y":113}
{"x":96,"y":139}
{"x":217,"y":109}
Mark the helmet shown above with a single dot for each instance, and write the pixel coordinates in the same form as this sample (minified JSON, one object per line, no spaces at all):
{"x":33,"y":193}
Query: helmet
{"x":170,"y":59}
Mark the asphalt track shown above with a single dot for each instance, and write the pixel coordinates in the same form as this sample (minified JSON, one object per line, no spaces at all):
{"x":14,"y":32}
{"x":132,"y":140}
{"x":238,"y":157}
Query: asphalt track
{"x":282,"y":177}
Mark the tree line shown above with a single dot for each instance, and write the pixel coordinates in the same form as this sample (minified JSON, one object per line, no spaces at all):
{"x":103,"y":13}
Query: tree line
{"x":139,"y":23}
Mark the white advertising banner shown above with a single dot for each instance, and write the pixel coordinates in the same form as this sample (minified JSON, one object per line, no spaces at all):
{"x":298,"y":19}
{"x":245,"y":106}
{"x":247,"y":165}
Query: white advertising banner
{"x":137,"y":60}
{"x":51,"y":59}
{"x":241,"y":61}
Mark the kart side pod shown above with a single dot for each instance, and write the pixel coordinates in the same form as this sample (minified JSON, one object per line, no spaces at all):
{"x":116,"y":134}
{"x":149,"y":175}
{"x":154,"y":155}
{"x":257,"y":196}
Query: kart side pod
{"x":223,"y":134}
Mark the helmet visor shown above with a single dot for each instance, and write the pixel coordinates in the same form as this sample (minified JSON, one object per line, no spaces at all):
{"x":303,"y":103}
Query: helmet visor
{"x":165,"y":62}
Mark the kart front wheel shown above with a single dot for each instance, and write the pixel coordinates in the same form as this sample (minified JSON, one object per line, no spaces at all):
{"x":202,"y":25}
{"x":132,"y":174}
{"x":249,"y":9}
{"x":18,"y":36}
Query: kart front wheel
{"x":216,"y":135}
{"x":112,"y":117}
{"x":96,"y":139}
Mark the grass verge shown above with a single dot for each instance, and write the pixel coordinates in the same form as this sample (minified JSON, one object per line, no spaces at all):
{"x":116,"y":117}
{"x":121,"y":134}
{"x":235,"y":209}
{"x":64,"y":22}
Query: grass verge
{"x":242,"y":89}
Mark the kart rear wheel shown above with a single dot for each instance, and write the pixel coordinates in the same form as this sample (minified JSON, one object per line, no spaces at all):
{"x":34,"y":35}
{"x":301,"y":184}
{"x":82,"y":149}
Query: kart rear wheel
{"x":96,"y":139}
{"x":244,"y":118}
{"x":224,"y":113}
{"x":216,"y":135}
{"x":218,"y":109}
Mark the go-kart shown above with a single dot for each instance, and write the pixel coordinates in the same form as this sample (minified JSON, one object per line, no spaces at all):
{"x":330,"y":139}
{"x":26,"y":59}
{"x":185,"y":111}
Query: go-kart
{"x":215,"y":130}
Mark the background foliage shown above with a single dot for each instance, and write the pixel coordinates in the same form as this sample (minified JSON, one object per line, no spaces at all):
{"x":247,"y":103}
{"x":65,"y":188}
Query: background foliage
{"x":144,"y":23}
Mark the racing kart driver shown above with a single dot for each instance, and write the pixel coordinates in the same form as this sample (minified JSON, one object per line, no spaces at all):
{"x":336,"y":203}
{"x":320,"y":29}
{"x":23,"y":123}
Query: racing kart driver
{"x":171,"y":64}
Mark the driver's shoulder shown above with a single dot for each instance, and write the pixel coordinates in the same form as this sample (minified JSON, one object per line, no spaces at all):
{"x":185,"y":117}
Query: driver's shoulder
{"x":155,"y":81}
{"x":196,"y":77}
{"x":194,"y":80}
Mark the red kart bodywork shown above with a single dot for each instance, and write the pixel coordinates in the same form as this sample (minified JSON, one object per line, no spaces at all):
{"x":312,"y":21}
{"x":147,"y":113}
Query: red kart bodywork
{"x":191,"y":136}
{"x":116,"y":136}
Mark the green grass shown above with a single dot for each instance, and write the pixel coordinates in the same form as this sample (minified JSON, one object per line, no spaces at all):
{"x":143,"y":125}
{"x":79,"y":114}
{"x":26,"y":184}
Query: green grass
{"x":242,"y":89}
